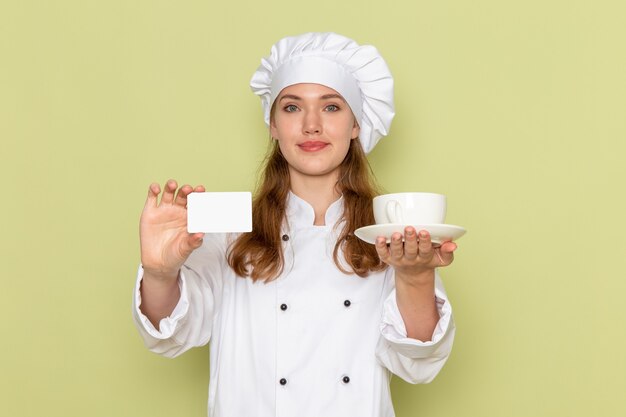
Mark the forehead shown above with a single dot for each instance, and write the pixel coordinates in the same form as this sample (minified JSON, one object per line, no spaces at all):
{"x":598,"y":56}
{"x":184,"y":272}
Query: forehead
{"x":308,"y":90}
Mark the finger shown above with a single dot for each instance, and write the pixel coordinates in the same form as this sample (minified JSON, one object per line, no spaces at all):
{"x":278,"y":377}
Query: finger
{"x":168,"y":192}
{"x":425,"y":245}
{"x":396,"y":248}
{"x":445,"y":258}
{"x":410,"y":243}
{"x":195,"y":240}
{"x":448,"y":246}
{"x":199,"y":189}
{"x":153,"y":195}
{"x":381,"y":249}
{"x":181,"y":196}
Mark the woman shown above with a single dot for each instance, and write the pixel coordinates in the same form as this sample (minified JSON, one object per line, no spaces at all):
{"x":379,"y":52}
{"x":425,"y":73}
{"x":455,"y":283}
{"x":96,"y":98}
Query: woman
{"x":303,"y":318}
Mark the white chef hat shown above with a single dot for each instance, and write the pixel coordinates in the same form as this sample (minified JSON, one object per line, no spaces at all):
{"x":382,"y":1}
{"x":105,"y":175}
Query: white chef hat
{"x":356,"y":72}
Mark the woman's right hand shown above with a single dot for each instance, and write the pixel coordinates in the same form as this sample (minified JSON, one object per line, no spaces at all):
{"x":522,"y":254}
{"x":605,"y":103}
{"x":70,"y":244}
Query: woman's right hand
{"x":165,"y":242}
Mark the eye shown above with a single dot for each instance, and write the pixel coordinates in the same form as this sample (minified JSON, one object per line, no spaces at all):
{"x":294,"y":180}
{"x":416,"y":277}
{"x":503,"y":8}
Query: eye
{"x":332,"y":108}
{"x":291,"y":108}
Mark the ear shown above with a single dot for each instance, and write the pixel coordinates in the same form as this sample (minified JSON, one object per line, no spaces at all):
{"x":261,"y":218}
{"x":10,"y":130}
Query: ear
{"x":273,"y":129}
{"x":355,"y":129}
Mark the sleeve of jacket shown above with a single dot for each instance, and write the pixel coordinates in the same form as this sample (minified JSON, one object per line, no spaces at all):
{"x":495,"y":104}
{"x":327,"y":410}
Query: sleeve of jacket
{"x":411,"y":359}
{"x":190,"y":323}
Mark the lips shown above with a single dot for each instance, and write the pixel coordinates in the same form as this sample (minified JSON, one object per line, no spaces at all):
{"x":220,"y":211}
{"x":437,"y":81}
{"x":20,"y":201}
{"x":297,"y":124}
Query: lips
{"x":312,"y":146}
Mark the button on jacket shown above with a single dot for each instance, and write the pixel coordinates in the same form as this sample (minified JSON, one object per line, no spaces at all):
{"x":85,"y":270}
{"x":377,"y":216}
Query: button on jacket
{"x":314,"y":342}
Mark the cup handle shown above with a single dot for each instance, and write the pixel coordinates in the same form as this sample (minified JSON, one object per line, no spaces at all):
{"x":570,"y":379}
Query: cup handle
{"x":394,"y":212}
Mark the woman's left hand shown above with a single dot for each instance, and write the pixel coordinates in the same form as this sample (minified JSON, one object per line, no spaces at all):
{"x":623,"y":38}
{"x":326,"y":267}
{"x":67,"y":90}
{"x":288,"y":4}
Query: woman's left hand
{"x":416,"y":258}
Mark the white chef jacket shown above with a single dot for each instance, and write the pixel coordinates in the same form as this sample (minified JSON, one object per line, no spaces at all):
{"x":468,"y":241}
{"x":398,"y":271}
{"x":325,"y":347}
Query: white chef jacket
{"x":315,"y":342}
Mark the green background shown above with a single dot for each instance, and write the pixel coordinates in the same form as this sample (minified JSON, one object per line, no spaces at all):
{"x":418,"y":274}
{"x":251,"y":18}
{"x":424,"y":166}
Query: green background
{"x":514,"y":110}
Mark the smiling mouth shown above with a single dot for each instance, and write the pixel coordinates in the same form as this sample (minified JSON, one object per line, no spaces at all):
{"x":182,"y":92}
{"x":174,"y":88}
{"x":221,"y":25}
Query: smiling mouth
{"x":312,"y":146}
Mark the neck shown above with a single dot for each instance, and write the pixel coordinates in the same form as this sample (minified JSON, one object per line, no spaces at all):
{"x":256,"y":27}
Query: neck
{"x":319,"y":191}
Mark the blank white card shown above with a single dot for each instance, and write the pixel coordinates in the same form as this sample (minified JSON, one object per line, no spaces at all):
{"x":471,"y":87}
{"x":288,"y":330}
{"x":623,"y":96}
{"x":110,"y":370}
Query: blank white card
{"x":224,"y":212}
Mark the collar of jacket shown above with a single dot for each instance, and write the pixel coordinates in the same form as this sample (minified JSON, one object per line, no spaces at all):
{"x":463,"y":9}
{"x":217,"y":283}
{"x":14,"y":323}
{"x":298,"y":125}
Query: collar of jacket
{"x":301,"y":214}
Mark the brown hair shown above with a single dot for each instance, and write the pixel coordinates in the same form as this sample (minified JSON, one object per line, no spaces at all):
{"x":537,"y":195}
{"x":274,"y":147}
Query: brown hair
{"x":259,"y":254}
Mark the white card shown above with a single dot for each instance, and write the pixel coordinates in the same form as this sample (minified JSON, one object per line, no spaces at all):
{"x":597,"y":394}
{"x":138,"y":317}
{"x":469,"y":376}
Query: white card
{"x":219,"y":212}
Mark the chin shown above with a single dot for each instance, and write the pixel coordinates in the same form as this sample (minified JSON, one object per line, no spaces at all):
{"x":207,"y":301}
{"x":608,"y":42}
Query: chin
{"x":315,"y":171}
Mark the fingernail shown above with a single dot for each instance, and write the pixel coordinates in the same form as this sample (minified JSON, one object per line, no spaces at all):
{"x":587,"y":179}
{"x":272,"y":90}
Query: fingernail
{"x":423,"y":234}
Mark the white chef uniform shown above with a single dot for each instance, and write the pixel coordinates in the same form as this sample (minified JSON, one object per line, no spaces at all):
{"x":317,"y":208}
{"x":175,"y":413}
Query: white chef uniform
{"x":313,"y":343}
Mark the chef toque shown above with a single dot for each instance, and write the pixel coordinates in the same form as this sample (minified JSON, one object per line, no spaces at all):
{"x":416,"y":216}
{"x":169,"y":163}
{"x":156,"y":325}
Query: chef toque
{"x":356,"y":72}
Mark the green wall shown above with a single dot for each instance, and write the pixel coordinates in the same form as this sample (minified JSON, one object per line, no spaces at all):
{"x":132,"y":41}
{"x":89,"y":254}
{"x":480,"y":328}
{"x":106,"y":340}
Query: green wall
{"x":515,"y":110}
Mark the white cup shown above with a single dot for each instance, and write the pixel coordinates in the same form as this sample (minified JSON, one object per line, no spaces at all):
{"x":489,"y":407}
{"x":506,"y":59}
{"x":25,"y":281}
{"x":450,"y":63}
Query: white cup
{"x":410,"y":208}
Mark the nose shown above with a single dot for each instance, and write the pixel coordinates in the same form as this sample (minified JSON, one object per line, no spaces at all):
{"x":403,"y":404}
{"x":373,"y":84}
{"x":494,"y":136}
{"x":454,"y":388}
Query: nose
{"x":312,"y":123}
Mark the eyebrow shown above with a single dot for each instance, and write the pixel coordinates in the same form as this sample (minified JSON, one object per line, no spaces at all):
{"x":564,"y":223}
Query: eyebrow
{"x":324,"y":97}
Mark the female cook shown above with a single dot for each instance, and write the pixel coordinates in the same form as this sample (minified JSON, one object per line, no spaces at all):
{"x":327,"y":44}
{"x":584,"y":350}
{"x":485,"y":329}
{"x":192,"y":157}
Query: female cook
{"x":304,"y":319}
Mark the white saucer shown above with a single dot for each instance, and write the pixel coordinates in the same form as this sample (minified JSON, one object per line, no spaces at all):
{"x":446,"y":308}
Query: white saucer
{"x":439,"y":233}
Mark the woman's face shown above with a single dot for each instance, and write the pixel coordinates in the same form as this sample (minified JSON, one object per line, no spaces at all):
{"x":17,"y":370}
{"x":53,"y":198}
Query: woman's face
{"x":313,"y":125}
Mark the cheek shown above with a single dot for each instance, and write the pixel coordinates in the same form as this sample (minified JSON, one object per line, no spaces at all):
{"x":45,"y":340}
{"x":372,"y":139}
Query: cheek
{"x":285,"y":149}
{"x":283,"y":128}
{"x":350,"y":132}
{"x":350,"y":127}
{"x":343,"y":147}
